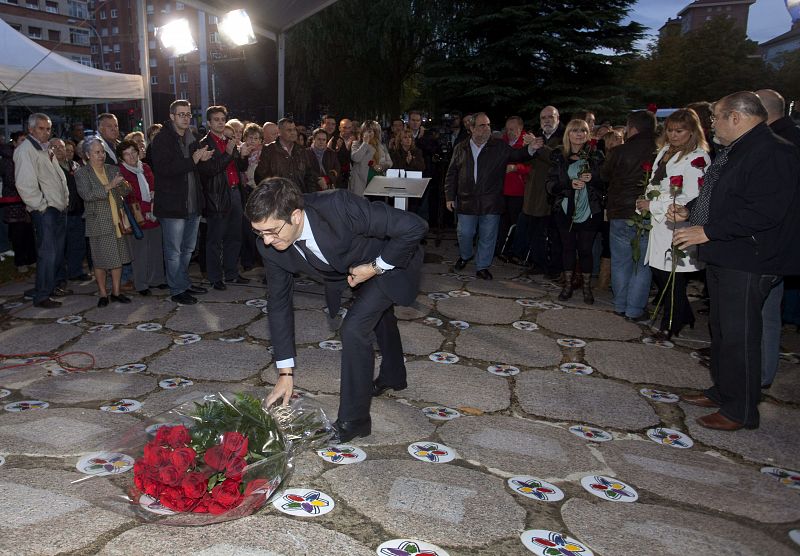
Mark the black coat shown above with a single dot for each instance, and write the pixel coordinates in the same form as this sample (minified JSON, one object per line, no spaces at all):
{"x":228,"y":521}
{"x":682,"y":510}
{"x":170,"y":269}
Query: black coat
{"x":214,"y":177}
{"x":754,"y":219}
{"x":786,"y":128}
{"x":485,"y":196}
{"x":559,"y":184}
{"x":349,"y":231}
{"x":171,"y":171}
{"x":624,"y":175}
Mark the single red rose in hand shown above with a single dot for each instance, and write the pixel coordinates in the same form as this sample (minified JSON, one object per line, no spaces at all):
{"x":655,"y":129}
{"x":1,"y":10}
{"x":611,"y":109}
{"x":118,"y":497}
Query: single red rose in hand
{"x":647,"y":167}
{"x":699,"y":162}
{"x":183,"y":458}
{"x":700,"y":181}
{"x":676,"y":182}
{"x":235,"y":468}
{"x":216,"y":458}
{"x":371,"y":163}
{"x":169,"y":475}
{"x":235,"y":444}
{"x":194,"y":484}
{"x":652,"y":107}
{"x":593,"y":144}
{"x":178,"y":436}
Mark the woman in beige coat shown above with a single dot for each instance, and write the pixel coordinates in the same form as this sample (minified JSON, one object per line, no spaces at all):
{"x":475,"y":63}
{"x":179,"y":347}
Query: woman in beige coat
{"x":102,"y":188}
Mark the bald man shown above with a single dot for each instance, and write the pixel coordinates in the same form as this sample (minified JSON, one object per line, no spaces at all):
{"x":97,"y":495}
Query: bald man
{"x":777,"y":120}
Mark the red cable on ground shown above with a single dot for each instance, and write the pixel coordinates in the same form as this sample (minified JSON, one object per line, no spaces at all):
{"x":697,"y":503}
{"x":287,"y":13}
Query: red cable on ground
{"x":58,"y":358}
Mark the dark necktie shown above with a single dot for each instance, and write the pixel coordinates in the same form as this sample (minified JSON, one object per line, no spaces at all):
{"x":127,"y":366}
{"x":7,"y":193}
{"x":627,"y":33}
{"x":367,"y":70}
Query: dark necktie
{"x":312,"y":259}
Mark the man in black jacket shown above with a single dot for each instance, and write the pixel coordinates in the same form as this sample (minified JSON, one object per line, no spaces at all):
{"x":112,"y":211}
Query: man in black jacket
{"x":747,"y":223}
{"x":178,"y":197}
{"x":223,"y":201}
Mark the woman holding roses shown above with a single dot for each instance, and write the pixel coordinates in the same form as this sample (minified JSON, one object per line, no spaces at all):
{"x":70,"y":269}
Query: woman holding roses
{"x":677,"y":178}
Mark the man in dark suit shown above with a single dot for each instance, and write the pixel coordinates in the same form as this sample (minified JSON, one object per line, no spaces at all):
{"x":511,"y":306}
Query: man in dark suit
{"x":347,"y":241}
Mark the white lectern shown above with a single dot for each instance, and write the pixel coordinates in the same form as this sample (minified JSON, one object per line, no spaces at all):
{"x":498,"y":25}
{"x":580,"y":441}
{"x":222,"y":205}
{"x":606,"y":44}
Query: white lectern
{"x":398,"y":188}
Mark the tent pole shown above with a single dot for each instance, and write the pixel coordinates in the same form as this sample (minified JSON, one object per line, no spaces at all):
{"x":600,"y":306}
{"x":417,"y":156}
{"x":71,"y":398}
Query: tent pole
{"x":281,"y":74}
{"x":5,"y":121}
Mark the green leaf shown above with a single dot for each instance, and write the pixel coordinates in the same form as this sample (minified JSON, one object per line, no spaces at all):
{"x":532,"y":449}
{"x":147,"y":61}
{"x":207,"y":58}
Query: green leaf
{"x":630,"y":222}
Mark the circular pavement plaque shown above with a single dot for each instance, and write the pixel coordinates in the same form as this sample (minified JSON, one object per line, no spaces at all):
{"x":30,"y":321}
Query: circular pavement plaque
{"x":458,"y":293}
{"x":149,"y":327}
{"x":432,"y":321}
{"x":437,"y":296}
{"x":794,"y":534}
{"x":525,"y":325}
{"x":122,"y":406}
{"x":550,"y":543}
{"x":785,"y":476}
{"x":431,"y":452}
{"x":658,"y":343}
{"x":172,"y":383}
{"x":303,"y":502}
{"x":186,"y":339}
{"x":440,"y":413}
{"x":669,"y":437}
{"x":575,"y":343}
{"x":259,"y":303}
{"x":4,"y":393}
{"x":459,"y":324}
{"x":131,"y":368}
{"x":152,"y":505}
{"x":591,"y":433}
{"x":71,"y":319}
{"x":100,"y":328}
{"x":659,"y":395}
{"x":104,"y":463}
{"x":332,"y":345}
{"x":235,"y":340}
{"x":609,"y":488}
{"x":503,"y":370}
{"x":409,"y":547}
{"x":26,"y":405}
{"x":2,"y":460}
{"x":342,"y":454}
{"x":575,"y":368}
{"x":538,"y":489}
{"x":443,"y":357}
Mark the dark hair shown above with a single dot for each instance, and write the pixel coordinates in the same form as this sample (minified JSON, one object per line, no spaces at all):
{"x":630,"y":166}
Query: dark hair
{"x":211,"y":110}
{"x":273,"y":197}
{"x":704,"y":112}
{"x":16,"y":135}
{"x":173,"y":108}
{"x":642,"y":120}
{"x":317,"y":132}
{"x":745,"y":102}
{"x":284,"y":121}
{"x":153,"y":130}
{"x":123,"y":146}
{"x":253,"y":129}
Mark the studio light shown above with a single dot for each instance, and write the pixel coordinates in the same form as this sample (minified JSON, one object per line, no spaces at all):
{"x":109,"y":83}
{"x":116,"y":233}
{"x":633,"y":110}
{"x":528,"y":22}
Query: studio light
{"x":176,"y":36}
{"x":236,"y":28}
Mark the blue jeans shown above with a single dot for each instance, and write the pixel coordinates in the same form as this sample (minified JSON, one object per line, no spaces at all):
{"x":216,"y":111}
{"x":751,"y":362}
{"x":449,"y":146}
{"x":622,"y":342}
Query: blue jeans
{"x":74,"y":249}
{"x":771,"y":334}
{"x":630,"y":281}
{"x":487,"y":226}
{"x":179,"y":237}
{"x":50,"y":229}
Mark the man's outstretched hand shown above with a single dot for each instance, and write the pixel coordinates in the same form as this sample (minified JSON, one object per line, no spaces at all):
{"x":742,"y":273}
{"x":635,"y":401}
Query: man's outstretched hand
{"x":282,"y":391}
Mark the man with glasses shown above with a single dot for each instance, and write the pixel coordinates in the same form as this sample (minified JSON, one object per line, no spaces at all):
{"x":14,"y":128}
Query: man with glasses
{"x":746,"y":221}
{"x":284,"y":158}
{"x":346,"y":241}
{"x":178,"y":197}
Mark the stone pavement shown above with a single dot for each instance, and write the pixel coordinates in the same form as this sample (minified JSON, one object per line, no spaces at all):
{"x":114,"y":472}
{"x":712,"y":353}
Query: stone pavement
{"x":710,"y":498}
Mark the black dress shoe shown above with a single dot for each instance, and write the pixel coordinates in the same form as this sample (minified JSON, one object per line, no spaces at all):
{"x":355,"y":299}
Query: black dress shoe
{"x":345,"y":431}
{"x":240,"y":280}
{"x":197,"y":290}
{"x":121,"y":298}
{"x":81,"y":278}
{"x":184,"y":298}
{"x":641,"y":317}
{"x":145,"y":292}
{"x":219,"y":286}
{"x":162,"y":287}
{"x":102,"y":302}
{"x":379,"y":388}
{"x":484,"y":274}
{"x":461,"y":263}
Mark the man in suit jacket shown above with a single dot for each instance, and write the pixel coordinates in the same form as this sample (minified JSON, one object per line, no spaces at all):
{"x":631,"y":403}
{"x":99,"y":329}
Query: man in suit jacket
{"x":108,"y":133}
{"x":347,"y":241}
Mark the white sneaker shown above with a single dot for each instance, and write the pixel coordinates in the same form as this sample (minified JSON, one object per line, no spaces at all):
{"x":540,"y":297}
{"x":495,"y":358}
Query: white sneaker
{"x":9,"y":253}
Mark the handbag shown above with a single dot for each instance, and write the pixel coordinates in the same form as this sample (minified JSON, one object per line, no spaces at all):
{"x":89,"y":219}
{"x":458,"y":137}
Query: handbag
{"x":128,"y":224}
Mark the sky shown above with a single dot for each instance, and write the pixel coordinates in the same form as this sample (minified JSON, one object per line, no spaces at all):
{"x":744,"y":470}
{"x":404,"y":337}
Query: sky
{"x":768,"y":18}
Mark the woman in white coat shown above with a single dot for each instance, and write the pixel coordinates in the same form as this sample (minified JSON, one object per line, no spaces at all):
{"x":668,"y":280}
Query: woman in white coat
{"x":369,"y":157}
{"x":682,"y":159}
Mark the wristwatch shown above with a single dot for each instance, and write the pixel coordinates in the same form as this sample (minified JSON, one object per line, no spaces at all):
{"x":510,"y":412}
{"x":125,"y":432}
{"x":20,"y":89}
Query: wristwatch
{"x":378,"y":270}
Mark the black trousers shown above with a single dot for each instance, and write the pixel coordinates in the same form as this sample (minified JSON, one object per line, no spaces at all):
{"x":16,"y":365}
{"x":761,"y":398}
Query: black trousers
{"x":371,"y":311}
{"x":578,"y":237}
{"x":737,"y":298}
{"x":682,"y":313}
{"x":249,"y":254}
{"x":513,"y":208}
{"x":224,"y":242}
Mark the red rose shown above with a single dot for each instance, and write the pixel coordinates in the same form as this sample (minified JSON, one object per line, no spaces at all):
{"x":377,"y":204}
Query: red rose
{"x":169,"y":475}
{"x":178,"y":436}
{"x":216,"y":458}
{"x":652,"y":107}
{"x":647,"y":167}
{"x":155,"y":455}
{"x":139,"y":467}
{"x":162,"y":434}
{"x":216,"y":508}
{"x":202,"y":505}
{"x":183,"y":458}
{"x":174,"y":499}
{"x":699,"y":162}
{"x":257,"y":484}
{"x":139,"y":481}
{"x":371,"y":163}
{"x":235,"y":444}
{"x":151,"y":472}
{"x":700,"y":181}
{"x":153,"y":488}
{"x":593,"y":144}
{"x":194,"y":484}
{"x":676,"y":182}
{"x":227,"y":494}
{"x":235,"y":468}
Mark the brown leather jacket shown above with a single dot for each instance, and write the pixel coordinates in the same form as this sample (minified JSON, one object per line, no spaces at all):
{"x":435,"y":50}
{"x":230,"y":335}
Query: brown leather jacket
{"x":624,"y":174}
{"x":277,"y":162}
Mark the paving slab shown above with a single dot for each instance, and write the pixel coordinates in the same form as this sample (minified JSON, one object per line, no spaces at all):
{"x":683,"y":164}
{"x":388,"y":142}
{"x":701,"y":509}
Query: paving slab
{"x":646,"y":529}
{"x":438,"y":268}
{"x":85,"y":387}
{"x":203,"y":318}
{"x":786,"y":386}
{"x":70,"y":305}
{"x":318,"y":370}
{"x":308,"y":466}
{"x":121,"y":346}
{"x":693,"y":477}
{"x":235,"y":293}
{"x":421,"y":307}
{"x":505,"y":288}
{"x":519,"y":446}
{"x":165,"y":400}
{"x":583,"y":399}
{"x":420,"y":339}
{"x":310,"y":326}
{"x":42,"y":513}
{"x":774,"y":442}
{"x":20,"y":377}
{"x":308,"y":301}
{"x":579,"y":323}
{"x":212,"y":360}
{"x":59,"y":431}
{"x":30,"y":338}
{"x":643,"y":364}
{"x":392,"y":422}
{"x":456,"y":386}
{"x":438,"y":283}
{"x":140,"y":310}
{"x":443,"y":504}
{"x":15,"y":289}
{"x":506,"y":344}
{"x":481,"y":309}
{"x":257,"y":535}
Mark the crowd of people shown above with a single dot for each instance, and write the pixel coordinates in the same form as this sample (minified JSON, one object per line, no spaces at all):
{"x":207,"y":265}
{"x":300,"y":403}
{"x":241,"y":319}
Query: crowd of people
{"x":631,"y":204}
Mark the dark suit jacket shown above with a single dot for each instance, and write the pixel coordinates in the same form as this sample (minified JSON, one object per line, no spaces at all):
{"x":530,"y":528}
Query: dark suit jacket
{"x":349,"y":231}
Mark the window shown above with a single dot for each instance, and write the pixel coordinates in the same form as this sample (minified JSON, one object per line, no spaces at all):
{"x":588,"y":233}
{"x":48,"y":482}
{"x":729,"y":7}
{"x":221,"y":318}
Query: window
{"x":117,"y":66}
{"x":83,"y":60}
{"x":106,"y":49}
{"x":104,"y":32}
{"x":114,"y":13}
{"x":96,"y":65}
{"x":35,"y":32}
{"x":154,"y":80}
{"x":54,"y":36}
{"x":184,"y":78}
{"x":116,"y":48}
{"x":107,"y":66}
{"x":150,"y":9}
{"x":94,"y":49}
{"x":213,"y":37}
{"x":171,"y":79}
{"x":115,"y":30}
{"x":77,"y":9}
{"x":179,"y":6}
{"x":11,"y":2}
{"x":184,"y":96}
{"x":153,"y":63}
{"x":103,"y":15}
{"x":32,"y":4}
{"x":213,"y":20}
{"x":151,"y":44}
{"x":51,"y":7}
{"x":151,"y":28}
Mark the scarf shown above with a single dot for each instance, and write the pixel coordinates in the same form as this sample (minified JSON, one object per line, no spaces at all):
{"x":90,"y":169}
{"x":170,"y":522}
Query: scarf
{"x":101,"y":175}
{"x":701,"y":211}
{"x":144,"y":187}
{"x":319,"y":154}
{"x":582,"y":209}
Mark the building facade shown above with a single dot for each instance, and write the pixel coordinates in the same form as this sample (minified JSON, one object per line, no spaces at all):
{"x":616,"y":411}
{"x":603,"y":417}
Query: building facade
{"x":699,"y":12}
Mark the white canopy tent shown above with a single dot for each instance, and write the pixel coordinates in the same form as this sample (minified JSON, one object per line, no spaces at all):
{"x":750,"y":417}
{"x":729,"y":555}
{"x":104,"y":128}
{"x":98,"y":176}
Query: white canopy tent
{"x":32,"y":75}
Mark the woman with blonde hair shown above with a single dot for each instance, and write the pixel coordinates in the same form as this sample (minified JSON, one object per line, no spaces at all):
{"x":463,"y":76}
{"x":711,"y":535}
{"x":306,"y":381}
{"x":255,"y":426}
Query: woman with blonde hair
{"x":575,"y":184}
{"x":677,"y":177}
{"x":369,"y":157}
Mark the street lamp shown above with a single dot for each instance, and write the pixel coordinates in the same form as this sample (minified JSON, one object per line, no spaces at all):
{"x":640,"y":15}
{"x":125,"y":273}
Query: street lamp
{"x":237,"y":28}
{"x":176,"y":36}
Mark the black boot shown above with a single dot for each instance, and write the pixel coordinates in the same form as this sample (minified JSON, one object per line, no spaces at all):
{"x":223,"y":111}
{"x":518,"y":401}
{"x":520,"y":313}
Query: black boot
{"x":588,"y":296}
{"x":566,"y":292}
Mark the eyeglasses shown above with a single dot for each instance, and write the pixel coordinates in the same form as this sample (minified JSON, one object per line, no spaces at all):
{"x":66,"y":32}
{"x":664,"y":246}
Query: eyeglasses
{"x":714,"y":118}
{"x":267,"y":233}
{"x":183,"y":114}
